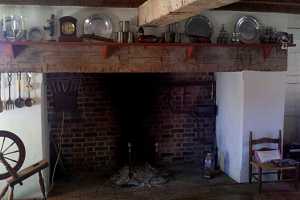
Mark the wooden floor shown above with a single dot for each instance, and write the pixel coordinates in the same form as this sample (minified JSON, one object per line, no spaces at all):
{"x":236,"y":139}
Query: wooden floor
{"x":175,"y":190}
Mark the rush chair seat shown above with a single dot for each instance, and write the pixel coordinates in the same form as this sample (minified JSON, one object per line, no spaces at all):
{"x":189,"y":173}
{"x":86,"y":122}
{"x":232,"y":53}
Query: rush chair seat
{"x":258,"y":169}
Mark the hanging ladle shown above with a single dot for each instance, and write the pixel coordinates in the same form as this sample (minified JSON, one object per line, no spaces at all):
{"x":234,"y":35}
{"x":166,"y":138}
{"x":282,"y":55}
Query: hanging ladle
{"x":19,"y":102}
{"x":29,"y":101}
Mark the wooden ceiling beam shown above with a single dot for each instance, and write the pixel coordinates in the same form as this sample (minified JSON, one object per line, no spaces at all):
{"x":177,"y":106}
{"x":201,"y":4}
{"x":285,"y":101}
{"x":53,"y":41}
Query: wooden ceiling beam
{"x":158,"y":12}
{"x":283,"y":6}
{"x":88,"y":3}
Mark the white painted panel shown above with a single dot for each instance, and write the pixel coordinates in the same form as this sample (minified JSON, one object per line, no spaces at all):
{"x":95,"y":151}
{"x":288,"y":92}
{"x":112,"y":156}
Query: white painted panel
{"x":229,"y":121}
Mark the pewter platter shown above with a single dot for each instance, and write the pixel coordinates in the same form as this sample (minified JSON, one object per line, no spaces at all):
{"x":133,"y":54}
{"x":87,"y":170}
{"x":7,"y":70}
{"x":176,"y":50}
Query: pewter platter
{"x":99,"y":25}
{"x":199,"y":26}
{"x":249,"y":29}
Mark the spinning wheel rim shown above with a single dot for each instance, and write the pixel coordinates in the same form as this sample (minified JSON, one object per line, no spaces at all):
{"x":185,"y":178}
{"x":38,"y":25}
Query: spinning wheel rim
{"x":21,"y":149}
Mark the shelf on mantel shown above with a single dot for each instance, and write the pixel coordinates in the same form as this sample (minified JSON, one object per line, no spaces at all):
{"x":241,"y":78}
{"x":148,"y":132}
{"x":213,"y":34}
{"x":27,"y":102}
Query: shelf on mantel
{"x":13,"y":49}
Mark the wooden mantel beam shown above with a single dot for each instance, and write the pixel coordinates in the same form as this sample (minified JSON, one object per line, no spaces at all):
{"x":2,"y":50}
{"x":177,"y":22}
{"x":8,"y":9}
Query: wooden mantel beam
{"x":164,"y":12}
{"x":87,"y":57}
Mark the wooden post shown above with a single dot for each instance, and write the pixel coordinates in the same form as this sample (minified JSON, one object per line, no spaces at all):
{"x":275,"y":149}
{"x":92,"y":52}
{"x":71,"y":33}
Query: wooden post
{"x":11,"y":194}
{"x":280,"y":148}
{"x":297,"y":176}
{"x":3,"y":192}
{"x":250,"y":157}
{"x":42,"y":185}
{"x":260,"y":181}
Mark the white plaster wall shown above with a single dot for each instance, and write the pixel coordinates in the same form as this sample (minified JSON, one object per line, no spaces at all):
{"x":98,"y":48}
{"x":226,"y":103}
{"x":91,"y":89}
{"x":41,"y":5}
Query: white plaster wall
{"x":230,"y":90}
{"x":264,"y":102}
{"x":247,"y":101}
{"x":27,"y":124}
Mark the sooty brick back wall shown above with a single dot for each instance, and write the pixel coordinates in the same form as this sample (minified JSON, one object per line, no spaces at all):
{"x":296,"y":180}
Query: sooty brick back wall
{"x":143,"y":109}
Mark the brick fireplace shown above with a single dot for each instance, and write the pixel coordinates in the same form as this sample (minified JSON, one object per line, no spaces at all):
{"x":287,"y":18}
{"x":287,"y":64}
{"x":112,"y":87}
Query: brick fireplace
{"x":154,"y":112}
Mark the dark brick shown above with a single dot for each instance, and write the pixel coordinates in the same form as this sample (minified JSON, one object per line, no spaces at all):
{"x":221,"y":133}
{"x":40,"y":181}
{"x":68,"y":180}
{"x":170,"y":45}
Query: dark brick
{"x":92,"y":138}
{"x":188,"y":144}
{"x":177,"y":130}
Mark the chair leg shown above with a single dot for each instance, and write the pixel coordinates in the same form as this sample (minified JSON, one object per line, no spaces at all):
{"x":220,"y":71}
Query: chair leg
{"x":11,"y":194}
{"x":250,"y":174}
{"x":3,"y":192}
{"x":42,"y":185}
{"x":260,"y":181}
{"x":279,"y":175}
{"x":297,"y":177}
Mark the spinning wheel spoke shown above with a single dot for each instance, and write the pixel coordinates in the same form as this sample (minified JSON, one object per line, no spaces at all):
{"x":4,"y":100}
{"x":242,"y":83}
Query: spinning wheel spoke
{"x":12,"y":160}
{"x":2,"y":145}
{"x":8,"y":147}
{"x":17,"y":151}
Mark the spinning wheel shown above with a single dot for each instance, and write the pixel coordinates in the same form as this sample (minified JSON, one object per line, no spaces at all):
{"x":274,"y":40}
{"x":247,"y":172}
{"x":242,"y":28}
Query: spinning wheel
{"x":12,"y":154}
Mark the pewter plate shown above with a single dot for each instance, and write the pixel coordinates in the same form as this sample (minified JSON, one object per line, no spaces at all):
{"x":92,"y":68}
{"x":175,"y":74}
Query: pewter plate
{"x":249,"y":29}
{"x":99,"y":25}
{"x":199,"y":26}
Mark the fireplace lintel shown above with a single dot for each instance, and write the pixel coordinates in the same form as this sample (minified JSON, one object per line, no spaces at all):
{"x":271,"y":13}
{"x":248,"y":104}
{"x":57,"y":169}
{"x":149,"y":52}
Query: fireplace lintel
{"x":87,"y":57}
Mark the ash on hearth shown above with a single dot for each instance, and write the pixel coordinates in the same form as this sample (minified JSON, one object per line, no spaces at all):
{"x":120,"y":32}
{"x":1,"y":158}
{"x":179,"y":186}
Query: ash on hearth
{"x":140,"y":176}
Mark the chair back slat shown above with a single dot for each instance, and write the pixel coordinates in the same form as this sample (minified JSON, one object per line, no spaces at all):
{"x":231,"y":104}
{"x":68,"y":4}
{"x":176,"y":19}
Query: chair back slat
{"x":266,"y":141}
{"x":261,"y":149}
{"x":265,"y":149}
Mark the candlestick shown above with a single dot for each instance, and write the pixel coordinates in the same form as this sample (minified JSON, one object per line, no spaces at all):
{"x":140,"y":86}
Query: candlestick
{"x":14,"y":25}
{"x":4,"y":24}
{"x":22,"y":25}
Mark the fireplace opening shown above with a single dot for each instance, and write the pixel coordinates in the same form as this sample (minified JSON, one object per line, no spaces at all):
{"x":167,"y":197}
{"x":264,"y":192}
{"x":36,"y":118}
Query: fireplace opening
{"x":117,"y":120}
{"x":133,"y":97}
